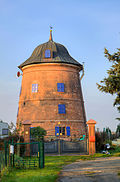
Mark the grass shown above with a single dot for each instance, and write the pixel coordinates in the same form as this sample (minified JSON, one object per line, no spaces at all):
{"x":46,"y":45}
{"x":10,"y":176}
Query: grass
{"x":53,"y":165}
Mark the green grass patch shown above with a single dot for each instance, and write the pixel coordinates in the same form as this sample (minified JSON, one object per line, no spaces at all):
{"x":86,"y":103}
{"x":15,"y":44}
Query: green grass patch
{"x":53,"y":165}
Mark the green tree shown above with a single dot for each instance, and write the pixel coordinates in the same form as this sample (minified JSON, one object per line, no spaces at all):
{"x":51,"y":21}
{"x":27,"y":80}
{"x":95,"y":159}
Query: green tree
{"x":38,"y":133}
{"x":118,"y":130}
{"x":111,"y":84}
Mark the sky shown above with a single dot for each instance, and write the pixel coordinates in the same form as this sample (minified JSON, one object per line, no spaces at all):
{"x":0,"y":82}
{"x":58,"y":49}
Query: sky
{"x":85,"y":28}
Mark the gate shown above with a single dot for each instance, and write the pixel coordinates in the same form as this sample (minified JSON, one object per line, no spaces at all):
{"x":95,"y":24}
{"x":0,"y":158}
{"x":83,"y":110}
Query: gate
{"x":23,"y":155}
{"x":62,"y":147}
{"x":73,"y":147}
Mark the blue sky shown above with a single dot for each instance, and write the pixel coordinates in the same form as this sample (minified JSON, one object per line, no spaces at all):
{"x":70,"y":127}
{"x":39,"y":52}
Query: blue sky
{"x":83,"y":27}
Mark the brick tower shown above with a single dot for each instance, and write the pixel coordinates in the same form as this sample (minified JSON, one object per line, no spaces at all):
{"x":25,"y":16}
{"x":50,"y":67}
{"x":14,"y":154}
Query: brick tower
{"x":51,"y":95}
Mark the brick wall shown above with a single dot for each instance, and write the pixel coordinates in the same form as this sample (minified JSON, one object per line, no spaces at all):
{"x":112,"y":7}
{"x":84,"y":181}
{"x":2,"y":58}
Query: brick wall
{"x":41,"y":108}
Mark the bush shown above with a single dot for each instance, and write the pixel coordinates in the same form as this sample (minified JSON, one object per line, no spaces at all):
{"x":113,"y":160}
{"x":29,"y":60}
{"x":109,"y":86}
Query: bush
{"x":38,"y":133}
{"x":100,"y":141}
{"x":5,"y":172}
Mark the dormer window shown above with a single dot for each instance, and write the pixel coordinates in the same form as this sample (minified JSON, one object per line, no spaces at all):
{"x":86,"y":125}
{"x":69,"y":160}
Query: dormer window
{"x":47,"y":53}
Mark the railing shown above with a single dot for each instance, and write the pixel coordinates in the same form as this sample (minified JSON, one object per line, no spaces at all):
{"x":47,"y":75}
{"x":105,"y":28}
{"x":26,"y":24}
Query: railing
{"x":2,"y":160}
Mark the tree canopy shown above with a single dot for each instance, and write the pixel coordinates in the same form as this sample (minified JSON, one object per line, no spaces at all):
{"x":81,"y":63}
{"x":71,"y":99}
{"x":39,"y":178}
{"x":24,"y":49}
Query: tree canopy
{"x":37,"y":133}
{"x":118,"y":128}
{"x":111,"y":84}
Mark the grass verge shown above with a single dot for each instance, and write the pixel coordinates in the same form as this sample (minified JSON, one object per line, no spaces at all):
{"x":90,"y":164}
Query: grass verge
{"x":53,"y":165}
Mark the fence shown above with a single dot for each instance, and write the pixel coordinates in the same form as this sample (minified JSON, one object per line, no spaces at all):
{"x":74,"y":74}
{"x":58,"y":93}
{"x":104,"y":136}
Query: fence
{"x":62,"y":147}
{"x":3,"y":155}
{"x":2,"y":160}
{"x":24,"y":155}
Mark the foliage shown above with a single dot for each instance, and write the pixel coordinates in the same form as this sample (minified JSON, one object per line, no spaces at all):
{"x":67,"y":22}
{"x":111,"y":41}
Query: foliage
{"x":38,"y":133}
{"x":103,"y":138}
{"x":118,"y":130}
{"x":13,"y":130}
{"x":100,"y":140}
{"x":18,"y":160}
{"x":115,"y":149}
{"x":53,"y":165}
{"x":4,"y":172}
{"x":112,"y":82}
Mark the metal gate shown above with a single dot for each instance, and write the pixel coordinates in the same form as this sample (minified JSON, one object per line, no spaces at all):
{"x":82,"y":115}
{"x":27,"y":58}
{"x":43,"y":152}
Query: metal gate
{"x":22,"y":155}
{"x":62,"y":147}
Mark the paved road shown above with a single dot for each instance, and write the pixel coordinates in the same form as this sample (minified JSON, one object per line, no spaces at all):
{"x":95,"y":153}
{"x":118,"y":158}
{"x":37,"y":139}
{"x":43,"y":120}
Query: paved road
{"x":99,"y":170}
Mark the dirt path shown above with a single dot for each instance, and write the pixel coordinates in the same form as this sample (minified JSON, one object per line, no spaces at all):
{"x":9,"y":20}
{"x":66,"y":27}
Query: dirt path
{"x":99,"y":170}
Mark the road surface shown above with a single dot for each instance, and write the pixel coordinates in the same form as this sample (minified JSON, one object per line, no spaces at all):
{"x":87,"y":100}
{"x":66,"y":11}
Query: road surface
{"x":98,"y":170}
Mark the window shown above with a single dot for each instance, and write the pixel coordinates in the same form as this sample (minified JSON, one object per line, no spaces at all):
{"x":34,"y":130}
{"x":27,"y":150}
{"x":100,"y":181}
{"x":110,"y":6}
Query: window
{"x":5,"y":131}
{"x":47,"y":53}
{"x":34,"y":87}
{"x":59,"y":131}
{"x":68,"y":130}
{"x":56,"y":131}
{"x":60,"y":87}
{"x":61,"y":109}
{"x":62,"y":130}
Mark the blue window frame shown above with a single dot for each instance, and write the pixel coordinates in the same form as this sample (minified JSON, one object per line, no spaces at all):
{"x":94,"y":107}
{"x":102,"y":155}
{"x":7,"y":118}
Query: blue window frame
{"x":61,"y":109}
{"x":60,"y":87}
{"x":47,"y":53}
{"x":34,"y":87}
{"x":56,"y":131}
{"x":68,"y":130}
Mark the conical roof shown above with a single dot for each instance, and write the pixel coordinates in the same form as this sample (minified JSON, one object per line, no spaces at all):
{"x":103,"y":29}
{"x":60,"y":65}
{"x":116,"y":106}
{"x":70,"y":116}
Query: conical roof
{"x":59,"y":54}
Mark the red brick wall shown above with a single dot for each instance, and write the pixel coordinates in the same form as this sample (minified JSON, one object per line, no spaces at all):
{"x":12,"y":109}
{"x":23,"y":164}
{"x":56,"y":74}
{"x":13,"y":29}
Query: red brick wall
{"x":41,"y":108}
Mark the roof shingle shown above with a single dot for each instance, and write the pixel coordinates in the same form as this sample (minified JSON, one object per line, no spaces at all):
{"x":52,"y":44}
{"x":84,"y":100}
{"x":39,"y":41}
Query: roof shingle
{"x":59,"y":52}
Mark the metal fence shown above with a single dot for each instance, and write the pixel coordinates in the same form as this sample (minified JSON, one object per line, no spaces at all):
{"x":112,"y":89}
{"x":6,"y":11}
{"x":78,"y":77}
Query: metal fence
{"x":26,"y":157}
{"x":2,"y":160}
{"x":62,"y":146}
{"x":22,"y":155}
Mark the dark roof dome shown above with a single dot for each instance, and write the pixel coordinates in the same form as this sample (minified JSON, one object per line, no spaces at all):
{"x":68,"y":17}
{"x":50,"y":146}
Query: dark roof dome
{"x":50,"y":52}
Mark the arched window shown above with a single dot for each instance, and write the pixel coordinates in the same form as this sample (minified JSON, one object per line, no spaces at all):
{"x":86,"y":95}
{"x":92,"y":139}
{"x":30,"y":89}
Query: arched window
{"x":47,"y":53}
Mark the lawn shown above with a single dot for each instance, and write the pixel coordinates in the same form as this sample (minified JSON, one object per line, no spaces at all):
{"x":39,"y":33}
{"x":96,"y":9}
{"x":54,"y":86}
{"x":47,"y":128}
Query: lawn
{"x":53,"y":165}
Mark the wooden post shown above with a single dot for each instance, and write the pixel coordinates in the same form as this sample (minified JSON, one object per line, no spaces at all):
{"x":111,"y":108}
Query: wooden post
{"x":91,"y":133}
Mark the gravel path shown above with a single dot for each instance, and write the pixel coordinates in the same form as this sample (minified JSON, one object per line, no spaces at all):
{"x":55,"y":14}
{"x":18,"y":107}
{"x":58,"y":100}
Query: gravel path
{"x":99,"y":170}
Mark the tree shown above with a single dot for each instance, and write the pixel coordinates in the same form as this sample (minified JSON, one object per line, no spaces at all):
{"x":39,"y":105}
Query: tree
{"x":111,"y":84}
{"x":118,"y":130}
{"x":12,"y":128}
{"x":38,"y":133}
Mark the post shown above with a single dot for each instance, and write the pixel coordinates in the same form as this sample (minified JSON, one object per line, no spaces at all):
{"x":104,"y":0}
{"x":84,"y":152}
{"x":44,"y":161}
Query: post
{"x":91,"y":133}
{"x":41,"y":154}
{"x":13,"y":153}
{"x":5,"y":145}
{"x":27,"y":125}
{"x":59,"y":149}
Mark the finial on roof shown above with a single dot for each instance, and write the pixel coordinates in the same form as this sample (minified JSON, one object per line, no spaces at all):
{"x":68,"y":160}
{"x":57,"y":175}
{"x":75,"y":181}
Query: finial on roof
{"x":50,"y":38}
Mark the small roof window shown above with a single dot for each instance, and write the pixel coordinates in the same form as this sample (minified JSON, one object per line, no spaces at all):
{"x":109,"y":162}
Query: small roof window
{"x":47,"y":53}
